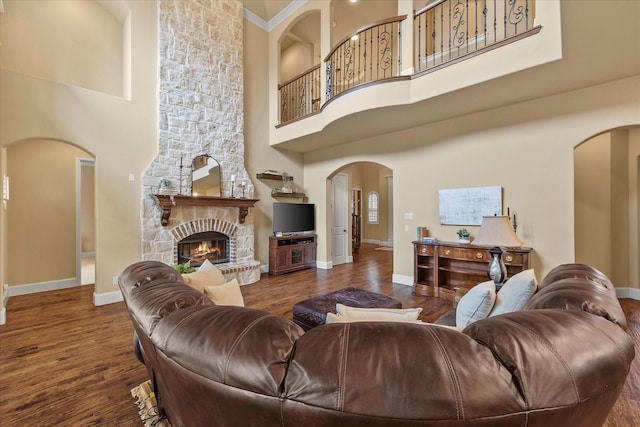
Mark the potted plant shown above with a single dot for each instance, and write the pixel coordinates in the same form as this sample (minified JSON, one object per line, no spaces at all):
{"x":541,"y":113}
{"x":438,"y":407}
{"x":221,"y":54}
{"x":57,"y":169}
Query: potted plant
{"x":463,"y":235}
{"x":165,"y":186}
{"x":184,"y":268}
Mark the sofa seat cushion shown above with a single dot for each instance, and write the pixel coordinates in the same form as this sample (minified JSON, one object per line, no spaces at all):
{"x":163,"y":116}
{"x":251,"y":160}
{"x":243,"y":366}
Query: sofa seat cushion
{"x":476,"y":304}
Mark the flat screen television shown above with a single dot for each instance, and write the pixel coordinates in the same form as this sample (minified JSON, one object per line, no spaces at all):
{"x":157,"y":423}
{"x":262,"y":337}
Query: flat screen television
{"x":292,"y":218}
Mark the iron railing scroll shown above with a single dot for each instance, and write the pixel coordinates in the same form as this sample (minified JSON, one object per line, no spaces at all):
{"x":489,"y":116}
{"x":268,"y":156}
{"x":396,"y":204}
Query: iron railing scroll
{"x":448,"y":30}
{"x":300,"y":96}
{"x":370,"y":54}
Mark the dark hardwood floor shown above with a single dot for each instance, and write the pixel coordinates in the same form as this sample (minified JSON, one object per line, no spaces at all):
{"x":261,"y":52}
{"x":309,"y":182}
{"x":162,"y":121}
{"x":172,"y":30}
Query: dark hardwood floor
{"x":64,"y":362}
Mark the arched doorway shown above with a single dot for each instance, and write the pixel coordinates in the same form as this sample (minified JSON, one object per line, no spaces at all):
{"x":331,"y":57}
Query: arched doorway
{"x":607,"y":204}
{"x":365,"y":181}
{"x":44,"y":214}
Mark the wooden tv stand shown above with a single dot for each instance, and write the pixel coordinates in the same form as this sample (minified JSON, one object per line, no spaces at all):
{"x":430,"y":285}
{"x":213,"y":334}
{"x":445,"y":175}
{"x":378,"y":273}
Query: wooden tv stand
{"x":442,"y":268}
{"x":291,"y":253}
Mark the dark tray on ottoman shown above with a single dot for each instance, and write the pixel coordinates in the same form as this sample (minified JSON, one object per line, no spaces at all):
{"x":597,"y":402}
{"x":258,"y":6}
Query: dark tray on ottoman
{"x":313,"y":311}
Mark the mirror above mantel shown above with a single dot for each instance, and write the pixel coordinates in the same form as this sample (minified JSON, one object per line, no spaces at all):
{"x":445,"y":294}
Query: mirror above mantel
{"x":205,"y":176}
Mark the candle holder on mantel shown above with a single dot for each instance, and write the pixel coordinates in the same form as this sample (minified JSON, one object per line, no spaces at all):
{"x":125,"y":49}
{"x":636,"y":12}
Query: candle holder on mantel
{"x":233,"y":184}
{"x":243,"y":186}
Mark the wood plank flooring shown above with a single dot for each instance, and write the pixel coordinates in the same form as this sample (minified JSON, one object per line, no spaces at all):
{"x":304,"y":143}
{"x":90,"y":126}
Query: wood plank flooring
{"x":64,"y":362}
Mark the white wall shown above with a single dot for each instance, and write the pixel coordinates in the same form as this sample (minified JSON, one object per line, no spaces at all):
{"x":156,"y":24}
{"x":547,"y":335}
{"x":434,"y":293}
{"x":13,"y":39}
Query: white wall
{"x":526,"y":148}
{"x":120,"y":133}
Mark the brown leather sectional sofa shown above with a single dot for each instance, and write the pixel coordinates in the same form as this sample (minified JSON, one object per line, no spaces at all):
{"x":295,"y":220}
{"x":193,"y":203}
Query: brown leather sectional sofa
{"x":560,"y":362}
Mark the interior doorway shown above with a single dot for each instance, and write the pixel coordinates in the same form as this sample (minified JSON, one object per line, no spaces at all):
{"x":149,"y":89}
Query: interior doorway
{"x":85,"y":221}
{"x":42,"y":215}
{"x":607,"y":204}
{"x":362,"y":180}
{"x":356,"y":220}
{"x":339,"y":223}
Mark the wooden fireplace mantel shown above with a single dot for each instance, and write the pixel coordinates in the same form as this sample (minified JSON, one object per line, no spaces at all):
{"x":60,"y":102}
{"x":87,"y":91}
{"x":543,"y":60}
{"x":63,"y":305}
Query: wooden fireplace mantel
{"x":169,"y":201}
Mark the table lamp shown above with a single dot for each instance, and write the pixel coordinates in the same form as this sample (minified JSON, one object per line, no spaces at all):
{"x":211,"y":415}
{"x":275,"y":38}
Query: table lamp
{"x":497,"y":231}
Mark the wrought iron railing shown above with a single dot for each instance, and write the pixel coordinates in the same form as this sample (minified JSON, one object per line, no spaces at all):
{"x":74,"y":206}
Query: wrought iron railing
{"x":371,"y":54}
{"x":448,"y":30}
{"x":300,"y":96}
{"x":445,"y":31}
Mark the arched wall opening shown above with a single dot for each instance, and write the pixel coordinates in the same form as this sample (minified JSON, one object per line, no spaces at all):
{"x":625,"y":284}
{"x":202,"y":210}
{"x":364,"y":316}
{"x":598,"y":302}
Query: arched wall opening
{"x":364,"y":178}
{"x":299,"y":46}
{"x":50,"y":192}
{"x":607,"y":204}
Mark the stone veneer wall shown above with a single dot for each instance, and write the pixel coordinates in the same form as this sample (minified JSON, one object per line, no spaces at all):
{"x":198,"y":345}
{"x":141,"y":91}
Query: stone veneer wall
{"x":201,"y":108}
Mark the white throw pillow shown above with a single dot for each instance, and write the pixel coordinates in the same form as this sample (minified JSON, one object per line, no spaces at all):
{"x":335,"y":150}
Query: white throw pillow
{"x":379,"y":314}
{"x":372,"y":317}
{"x":515,"y":293}
{"x":226,"y":294}
{"x":335,"y":318}
{"x":207,"y":274}
{"x":476,"y":304}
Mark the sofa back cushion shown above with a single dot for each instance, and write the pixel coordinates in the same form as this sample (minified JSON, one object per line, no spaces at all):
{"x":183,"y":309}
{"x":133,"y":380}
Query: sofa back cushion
{"x":240,"y":347}
{"x":559,"y":357}
{"x":401,"y":370}
{"x":580,"y":294}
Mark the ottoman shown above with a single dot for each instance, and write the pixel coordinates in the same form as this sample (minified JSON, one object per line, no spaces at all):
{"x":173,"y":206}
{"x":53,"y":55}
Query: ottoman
{"x":313,"y":311}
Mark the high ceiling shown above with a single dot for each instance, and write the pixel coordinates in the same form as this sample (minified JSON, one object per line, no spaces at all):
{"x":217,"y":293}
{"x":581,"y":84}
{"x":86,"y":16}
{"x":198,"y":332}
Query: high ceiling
{"x":265,"y":9}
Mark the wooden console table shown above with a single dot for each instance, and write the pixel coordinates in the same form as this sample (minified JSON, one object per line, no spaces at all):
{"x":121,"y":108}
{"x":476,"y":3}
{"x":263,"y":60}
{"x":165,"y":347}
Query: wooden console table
{"x":440,"y":268}
{"x":167,"y":202}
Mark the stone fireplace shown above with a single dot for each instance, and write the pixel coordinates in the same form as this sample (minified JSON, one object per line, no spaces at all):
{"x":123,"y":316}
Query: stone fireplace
{"x":200,"y":101}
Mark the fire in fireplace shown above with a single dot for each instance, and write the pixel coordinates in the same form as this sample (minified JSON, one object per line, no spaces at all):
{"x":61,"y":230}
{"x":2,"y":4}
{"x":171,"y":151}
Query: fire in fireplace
{"x":199,"y":247}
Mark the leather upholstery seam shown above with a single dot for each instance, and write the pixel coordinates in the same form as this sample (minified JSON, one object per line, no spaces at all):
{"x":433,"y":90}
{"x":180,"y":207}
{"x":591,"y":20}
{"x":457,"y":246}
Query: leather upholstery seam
{"x":342,"y":369}
{"x":236,"y":343}
{"x":165,"y":341}
{"x":454,"y":378}
{"x":560,"y":359}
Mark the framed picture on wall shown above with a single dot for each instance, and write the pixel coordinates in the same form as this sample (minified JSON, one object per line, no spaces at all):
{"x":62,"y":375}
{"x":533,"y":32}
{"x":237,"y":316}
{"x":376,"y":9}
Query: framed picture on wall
{"x":467,"y":206}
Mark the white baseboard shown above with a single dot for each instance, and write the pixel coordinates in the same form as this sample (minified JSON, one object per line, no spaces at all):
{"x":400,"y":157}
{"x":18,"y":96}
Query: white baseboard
{"x":633,"y":293}
{"x":5,"y":295}
{"x":32,"y":288}
{"x":402,"y":279}
{"x":107,"y":298}
{"x":3,"y":316}
{"x":378,"y":242}
{"x":324,"y":265}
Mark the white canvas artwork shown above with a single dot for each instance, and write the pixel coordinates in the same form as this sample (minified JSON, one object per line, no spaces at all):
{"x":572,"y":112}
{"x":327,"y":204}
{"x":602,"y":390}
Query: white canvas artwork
{"x":467,"y":206}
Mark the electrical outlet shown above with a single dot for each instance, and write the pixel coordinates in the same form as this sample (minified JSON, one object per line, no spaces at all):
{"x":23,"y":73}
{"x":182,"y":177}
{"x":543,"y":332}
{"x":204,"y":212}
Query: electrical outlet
{"x":115,"y":280}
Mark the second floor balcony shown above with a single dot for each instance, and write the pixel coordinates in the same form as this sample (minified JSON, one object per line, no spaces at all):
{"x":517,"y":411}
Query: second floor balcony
{"x":409,"y":53}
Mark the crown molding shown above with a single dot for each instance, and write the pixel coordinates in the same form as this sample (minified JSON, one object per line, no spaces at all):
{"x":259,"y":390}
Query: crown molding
{"x":276,"y":20}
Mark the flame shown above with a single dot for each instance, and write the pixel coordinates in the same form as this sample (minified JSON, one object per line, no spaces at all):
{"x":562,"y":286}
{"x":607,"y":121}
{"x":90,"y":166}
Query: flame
{"x":203,"y":251}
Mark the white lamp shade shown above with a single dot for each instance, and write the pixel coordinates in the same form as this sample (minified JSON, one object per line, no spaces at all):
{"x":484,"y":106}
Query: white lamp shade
{"x":497,"y":231}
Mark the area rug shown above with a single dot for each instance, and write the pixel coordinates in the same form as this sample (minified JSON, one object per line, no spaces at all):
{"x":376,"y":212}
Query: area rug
{"x":384,"y":248}
{"x":147,"y":407}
